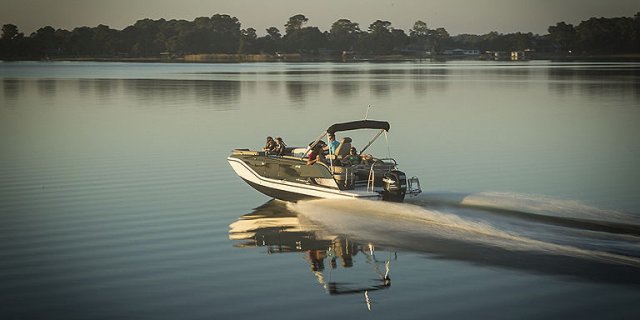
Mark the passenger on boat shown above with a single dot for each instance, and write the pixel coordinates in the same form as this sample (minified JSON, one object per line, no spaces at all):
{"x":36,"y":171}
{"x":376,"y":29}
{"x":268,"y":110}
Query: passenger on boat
{"x":353,"y":158}
{"x":270,"y":146}
{"x":316,"y":155}
{"x":367,"y":159}
{"x":321,"y":143}
{"x":333,"y":144}
{"x":280,"y":145}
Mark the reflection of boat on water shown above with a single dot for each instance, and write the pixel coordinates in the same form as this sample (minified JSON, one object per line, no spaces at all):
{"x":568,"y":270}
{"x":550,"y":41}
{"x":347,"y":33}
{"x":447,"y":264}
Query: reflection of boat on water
{"x":278,"y":229}
{"x":333,"y":236}
{"x":289,"y":177}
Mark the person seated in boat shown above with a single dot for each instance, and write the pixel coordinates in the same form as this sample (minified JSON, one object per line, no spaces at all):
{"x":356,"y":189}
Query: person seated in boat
{"x":366,"y":159}
{"x":316,"y":155}
{"x":324,"y":147}
{"x":333,"y":144}
{"x":321,"y":143}
{"x":280,"y":145}
{"x":270,"y":146}
{"x":353,"y":158}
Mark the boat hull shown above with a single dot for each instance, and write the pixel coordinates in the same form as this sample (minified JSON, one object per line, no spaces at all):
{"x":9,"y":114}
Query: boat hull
{"x":279,"y":193}
{"x":293,"y":189}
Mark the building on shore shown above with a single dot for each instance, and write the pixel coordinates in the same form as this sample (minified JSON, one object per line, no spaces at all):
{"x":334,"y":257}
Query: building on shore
{"x":462,"y":52}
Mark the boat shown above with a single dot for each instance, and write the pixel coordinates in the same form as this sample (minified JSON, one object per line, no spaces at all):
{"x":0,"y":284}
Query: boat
{"x":288,"y":176}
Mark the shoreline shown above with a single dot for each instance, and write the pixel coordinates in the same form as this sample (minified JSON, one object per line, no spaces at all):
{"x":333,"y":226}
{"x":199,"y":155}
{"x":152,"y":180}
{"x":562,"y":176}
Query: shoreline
{"x":241,"y":58}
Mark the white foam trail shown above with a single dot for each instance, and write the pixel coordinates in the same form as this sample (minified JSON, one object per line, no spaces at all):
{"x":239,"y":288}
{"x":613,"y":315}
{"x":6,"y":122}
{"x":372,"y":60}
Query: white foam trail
{"x":374,"y":220}
{"x":530,"y":203}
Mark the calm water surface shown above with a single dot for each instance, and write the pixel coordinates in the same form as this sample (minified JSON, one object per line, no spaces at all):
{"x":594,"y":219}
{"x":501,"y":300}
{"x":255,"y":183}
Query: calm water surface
{"x":116,"y":200}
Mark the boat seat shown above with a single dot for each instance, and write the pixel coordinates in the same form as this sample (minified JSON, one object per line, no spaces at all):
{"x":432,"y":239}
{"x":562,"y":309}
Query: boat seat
{"x":345,"y":177}
{"x":343,"y":148}
{"x":339,"y":169}
{"x":298,"y":152}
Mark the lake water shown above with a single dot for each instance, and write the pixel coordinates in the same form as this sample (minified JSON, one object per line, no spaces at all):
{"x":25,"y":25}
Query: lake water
{"x":116,"y":200}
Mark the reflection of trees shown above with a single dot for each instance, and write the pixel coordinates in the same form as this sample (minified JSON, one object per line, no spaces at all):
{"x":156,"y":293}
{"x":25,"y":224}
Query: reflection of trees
{"x":84,"y":86}
{"x":299,"y":90}
{"x":46,"y":87}
{"x":105,"y":87}
{"x":11,"y":88}
{"x":425,"y":79}
{"x":101,"y":88}
{"x":220,"y":95}
{"x":380,"y":88}
{"x":382,"y":81}
{"x":345,"y":88}
{"x":274,"y":86}
{"x":596,"y":81}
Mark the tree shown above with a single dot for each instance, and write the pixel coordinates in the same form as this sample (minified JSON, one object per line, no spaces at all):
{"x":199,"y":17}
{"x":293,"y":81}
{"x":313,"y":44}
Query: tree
{"x":221,"y":33}
{"x":81,"y":42}
{"x":226,"y":33}
{"x":563,"y":35}
{"x":274,"y":33}
{"x":308,"y":39}
{"x":380,"y":40}
{"x":603,"y":35}
{"x":295,"y":23}
{"x":202,"y":23}
{"x":197,"y":41}
{"x":439,"y":38}
{"x":518,"y":41}
{"x":44,"y":40}
{"x":10,"y":32}
{"x":247,"y":40}
{"x":174,"y":31}
{"x":271,"y":42}
{"x":12,"y":42}
{"x":636,"y":33}
{"x":399,"y":39}
{"x":299,"y":39}
{"x":142,"y":38}
{"x":343,"y":34}
{"x":380,"y":27}
{"x":106,"y":40}
{"x":419,"y":30}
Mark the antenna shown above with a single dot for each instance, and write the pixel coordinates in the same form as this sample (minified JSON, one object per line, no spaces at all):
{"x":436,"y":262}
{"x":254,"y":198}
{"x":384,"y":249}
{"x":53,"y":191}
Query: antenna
{"x":366,"y":115}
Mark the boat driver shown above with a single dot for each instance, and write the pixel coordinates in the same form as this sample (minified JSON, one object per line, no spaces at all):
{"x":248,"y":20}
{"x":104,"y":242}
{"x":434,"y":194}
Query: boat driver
{"x":333,"y":144}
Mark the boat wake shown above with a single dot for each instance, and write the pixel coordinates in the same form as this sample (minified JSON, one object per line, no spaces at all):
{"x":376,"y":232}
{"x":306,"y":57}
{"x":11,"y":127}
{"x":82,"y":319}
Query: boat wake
{"x":538,"y":208}
{"x":495,"y":228}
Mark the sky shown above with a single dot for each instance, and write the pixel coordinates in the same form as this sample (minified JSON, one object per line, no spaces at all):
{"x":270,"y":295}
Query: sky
{"x":456,"y":16}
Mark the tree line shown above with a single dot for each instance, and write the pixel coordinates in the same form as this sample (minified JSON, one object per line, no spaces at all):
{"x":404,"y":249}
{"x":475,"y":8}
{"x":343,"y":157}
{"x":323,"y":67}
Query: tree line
{"x":222,"y":33}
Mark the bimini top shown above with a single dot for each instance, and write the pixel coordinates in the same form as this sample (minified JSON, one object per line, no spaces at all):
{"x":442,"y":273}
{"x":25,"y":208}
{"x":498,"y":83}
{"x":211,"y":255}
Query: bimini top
{"x":361,"y":124}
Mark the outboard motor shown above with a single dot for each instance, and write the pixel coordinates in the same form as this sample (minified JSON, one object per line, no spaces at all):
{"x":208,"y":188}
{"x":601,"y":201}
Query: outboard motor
{"x":395,"y":186}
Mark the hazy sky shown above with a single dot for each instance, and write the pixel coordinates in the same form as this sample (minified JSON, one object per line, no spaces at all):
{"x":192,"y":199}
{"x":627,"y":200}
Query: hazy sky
{"x":457,"y":16}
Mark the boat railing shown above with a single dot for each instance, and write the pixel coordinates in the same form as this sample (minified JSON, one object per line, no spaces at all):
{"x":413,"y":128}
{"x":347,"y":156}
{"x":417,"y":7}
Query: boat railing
{"x":344,"y":176}
{"x":247,"y":152}
{"x":413,"y":186}
{"x":388,"y":161}
{"x":372,"y":174}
